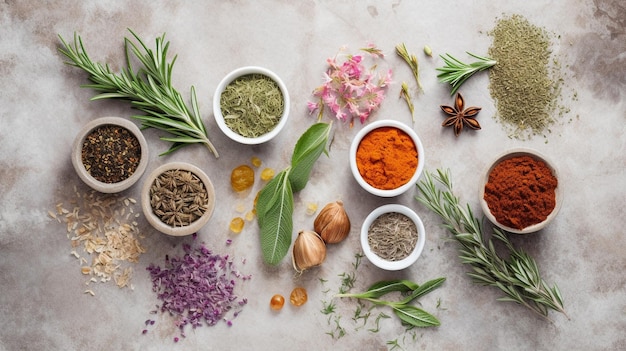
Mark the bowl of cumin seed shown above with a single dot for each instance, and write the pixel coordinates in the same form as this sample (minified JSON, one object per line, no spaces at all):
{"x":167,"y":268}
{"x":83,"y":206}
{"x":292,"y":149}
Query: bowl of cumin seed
{"x":178,"y":198}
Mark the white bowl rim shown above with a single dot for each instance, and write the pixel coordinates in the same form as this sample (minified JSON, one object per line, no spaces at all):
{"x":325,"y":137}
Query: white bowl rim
{"x":77,"y":159}
{"x":217,"y":111}
{"x":520,"y":151}
{"x":420,"y":154}
{"x":407,"y":261}
{"x":195,"y":226}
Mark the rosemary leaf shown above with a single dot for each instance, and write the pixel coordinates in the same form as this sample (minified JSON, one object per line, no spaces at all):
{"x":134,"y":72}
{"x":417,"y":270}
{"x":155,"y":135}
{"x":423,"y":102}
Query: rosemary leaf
{"x":149,"y":89}
{"x":457,"y":72}
{"x":518,"y":277}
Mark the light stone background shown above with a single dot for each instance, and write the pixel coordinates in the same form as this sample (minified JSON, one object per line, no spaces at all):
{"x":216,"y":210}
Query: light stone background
{"x":42,"y":107}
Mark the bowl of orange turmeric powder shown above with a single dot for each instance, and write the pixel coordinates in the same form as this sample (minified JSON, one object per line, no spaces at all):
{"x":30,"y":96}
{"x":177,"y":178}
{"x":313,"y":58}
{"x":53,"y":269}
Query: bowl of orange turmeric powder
{"x":386,"y":158}
{"x":520,"y":191}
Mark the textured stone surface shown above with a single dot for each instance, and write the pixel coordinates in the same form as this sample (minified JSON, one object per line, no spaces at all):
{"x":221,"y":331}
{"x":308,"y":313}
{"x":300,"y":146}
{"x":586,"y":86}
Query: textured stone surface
{"x":42,"y":299}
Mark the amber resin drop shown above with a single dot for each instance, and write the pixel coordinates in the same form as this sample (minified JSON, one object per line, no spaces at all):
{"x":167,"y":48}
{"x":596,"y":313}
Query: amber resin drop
{"x":298,"y":296}
{"x":277,"y":302}
{"x":267,"y":174}
{"x":242,"y":178}
{"x":236,"y":225}
{"x":256,"y":162}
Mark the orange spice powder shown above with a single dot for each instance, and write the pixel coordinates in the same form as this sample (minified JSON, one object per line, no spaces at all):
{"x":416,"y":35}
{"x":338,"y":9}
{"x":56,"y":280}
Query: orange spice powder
{"x":520,"y":192}
{"x":386,"y":158}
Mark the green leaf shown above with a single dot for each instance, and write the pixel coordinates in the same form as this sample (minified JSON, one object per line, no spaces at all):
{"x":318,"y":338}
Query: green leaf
{"x":307,"y":150}
{"x":383,"y":287}
{"x":274,"y":211}
{"x":424,"y":289}
{"x":416,"y":317}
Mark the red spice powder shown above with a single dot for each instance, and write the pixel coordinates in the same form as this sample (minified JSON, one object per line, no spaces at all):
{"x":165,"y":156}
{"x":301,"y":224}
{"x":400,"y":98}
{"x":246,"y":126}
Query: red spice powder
{"x":386,"y":158}
{"x":520,"y":192}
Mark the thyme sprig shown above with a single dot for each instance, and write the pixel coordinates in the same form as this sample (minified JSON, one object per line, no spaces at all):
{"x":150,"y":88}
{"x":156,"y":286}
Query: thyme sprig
{"x":518,"y":277}
{"x":457,"y":72}
{"x":149,"y":89}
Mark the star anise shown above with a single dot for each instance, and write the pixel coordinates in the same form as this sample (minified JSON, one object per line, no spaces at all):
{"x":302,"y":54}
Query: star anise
{"x":459,"y":116}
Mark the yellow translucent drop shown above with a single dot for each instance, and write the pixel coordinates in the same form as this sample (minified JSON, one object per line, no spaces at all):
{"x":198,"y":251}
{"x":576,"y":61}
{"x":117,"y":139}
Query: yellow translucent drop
{"x":236,"y":225}
{"x":311,"y":208}
{"x":242,"y":178}
{"x":267,"y":174}
{"x":250,"y":215}
{"x":256,"y":162}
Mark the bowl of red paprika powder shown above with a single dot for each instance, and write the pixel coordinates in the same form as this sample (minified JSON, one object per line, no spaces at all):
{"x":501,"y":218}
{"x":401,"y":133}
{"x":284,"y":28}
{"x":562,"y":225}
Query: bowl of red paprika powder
{"x":386,"y":158}
{"x":110,"y":154}
{"x":520,"y":191}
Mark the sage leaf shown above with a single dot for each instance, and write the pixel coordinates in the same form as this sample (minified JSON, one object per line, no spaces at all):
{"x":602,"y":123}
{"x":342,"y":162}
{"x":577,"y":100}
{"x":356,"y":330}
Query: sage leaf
{"x":416,"y":317}
{"x":424,"y":289}
{"x":307,"y":150}
{"x":274,"y":211}
{"x":383,"y":287}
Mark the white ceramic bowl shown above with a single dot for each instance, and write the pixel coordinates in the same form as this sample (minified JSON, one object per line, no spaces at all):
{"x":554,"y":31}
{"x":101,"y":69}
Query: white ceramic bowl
{"x":155,"y":221}
{"x":217,"y":109}
{"x":355,"y":170}
{"x":411,"y":258}
{"x":77,"y":159}
{"x":507,"y":155}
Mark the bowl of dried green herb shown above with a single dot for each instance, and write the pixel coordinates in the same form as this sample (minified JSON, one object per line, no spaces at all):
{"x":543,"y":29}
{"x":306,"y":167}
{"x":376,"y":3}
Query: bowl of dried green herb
{"x":110,"y":154}
{"x":251,"y":105}
{"x":393,"y":237}
{"x":177,"y":198}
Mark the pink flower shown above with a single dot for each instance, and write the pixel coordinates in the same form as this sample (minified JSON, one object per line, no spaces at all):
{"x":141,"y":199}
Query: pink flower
{"x":349,"y":89}
{"x":313,"y":106}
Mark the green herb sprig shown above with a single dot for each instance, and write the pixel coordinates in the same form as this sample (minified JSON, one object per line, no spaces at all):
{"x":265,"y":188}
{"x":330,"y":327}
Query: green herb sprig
{"x":411,"y":60}
{"x":149,"y":89}
{"x":274,"y":207}
{"x":408,"y":314}
{"x":518,"y":277}
{"x":404,"y":93}
{"x":456,"y":72}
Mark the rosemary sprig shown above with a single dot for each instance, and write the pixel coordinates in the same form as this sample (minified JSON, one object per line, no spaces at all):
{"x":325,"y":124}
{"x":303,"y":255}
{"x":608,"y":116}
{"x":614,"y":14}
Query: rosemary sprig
{"x":518,"y":277}
{"x":456,"y":72}
{"x":149,"y":90}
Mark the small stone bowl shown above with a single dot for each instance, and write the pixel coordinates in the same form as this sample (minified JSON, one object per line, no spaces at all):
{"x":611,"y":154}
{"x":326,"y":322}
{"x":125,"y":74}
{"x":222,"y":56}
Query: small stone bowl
{"x":77,"y":159}
{"x":155,"y":221}
{"x":217,"y":108}
{"x":355,"y":170}
{"x":515,"y":153}
{"x":383,"y":263}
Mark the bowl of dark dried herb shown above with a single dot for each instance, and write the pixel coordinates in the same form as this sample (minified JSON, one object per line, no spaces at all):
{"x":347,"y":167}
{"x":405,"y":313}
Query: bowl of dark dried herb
{"x":178,"y":198}
{"x":251,"y":105}
{"x":110,"y":154}
{"x":393,"y":237}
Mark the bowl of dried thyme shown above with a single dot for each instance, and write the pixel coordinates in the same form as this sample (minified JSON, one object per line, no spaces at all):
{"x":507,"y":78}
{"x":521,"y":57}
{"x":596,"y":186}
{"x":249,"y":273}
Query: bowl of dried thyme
{"x":110,"y":154}
{"x":178,"y":198}
{"x":393,"y":237}
{"x":251,"y":105}
{"x":519,"y":192}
